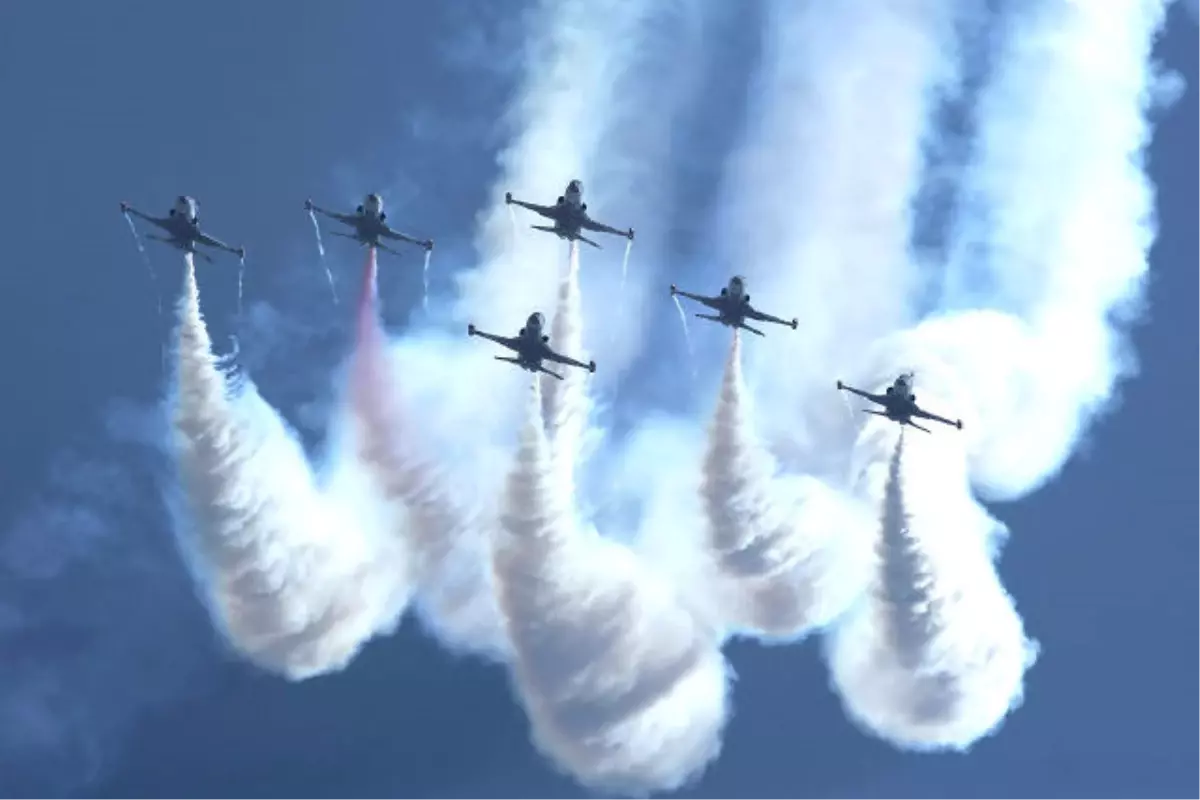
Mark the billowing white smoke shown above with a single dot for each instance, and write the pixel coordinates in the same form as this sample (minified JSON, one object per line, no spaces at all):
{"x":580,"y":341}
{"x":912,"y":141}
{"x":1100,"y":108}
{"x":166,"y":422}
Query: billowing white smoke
{"x":297,"y":580}
{"x":791,"y":549}
{"x":624,"y":689}
{"x":565,"y":403}
{"x":934,"y":657}
{"x":824,"y":183}
{"x":1057,"y":233}
{"x":449,"y":542}
{"x":1059,"y":250}
{"x":576,"y":89}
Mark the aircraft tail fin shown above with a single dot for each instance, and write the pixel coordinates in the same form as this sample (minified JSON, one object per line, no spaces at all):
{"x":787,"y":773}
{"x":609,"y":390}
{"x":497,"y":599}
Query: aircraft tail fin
{"x":589,"y":241}
{"x":550,"y":373}
{"x":387,"y":249}
{"x":546,"y":228}
{"x":712,"y":317}
{"x":509,"y":359}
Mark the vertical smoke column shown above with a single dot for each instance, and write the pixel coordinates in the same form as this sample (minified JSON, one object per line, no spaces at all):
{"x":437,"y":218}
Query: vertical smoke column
{"x":829,"y":197}
{"x":623,"y":689}
{"x":293,"y":582}
{"x":785,"y":548}
{"x":565,"y":406}
{"x":450,"y":548}
{"x":935,"y":656}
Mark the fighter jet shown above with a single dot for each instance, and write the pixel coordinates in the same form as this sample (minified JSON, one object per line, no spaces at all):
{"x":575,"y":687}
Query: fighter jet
{"x":570,"y":216}
{"x":733,"y":307}
{"x":369,"y":222}
{"x":899,"y":403}
{"x":532,"y":347}
{"x":182,"y":225}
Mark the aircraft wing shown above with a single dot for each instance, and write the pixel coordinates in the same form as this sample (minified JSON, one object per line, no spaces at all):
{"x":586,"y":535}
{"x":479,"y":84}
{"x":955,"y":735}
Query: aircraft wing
{"x":559,"y":358}
{"x":874,"y":398}
{"x":599,"y":227}
{"x":923,"y":414}
{"x":754,"y":313}
{"x":395,"y":235}
{"x":511,"y":342}
{"x":346,"y":219}
{"x":204,"y":238}
{"x":162,"y":222}
{"x":711,"y":302}
{"x":550,"y":212}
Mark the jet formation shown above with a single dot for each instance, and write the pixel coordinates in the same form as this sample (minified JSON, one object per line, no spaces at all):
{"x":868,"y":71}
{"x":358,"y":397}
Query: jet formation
{"x":531,"y":346}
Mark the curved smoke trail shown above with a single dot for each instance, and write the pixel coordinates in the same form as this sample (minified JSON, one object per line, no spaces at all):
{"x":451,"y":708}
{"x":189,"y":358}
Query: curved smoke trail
{"x":297,"y":581}
{"x":935,"y":656}
{"x":786,"y":547}
{"x":565,"y":405}
{"x":624,"y":689}
{"x":829,"y":197}
{"x":449,"y":544}
{"x":1056,"y":232}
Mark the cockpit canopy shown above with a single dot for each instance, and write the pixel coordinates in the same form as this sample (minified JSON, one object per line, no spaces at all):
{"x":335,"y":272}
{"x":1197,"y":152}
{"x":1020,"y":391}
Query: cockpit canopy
{"x":535,"y":322}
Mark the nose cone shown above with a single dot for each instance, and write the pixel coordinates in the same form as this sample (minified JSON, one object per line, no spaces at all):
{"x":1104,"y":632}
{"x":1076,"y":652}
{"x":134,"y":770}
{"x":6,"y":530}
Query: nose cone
{"x":536,"y":320}
{"x":575,"y":186}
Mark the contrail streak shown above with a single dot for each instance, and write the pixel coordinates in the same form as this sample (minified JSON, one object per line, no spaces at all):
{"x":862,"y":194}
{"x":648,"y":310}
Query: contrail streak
{"x":935,"y":656}
{"x":624,"y":690}
{"x":297,"y":581}
{"x":450,"y":545}
{"x":785,"y":547}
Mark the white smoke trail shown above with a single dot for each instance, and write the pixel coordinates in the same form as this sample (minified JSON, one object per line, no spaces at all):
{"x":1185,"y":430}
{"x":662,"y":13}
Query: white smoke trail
{"x":824,"y":183}
{"x":791,"y":551}
{"x":450,"y":543}
{"x":1057,"y":231}
{"x":624,"y":689}
{"x":565,"y":404}
{"x":296,"y":581}
{"x":1063,"y":228}
{"x":425,"y":281}
{"x":935,"y":656}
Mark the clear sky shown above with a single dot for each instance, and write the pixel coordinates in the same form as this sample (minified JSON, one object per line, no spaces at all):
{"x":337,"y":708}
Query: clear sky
{"x":116,"y":685}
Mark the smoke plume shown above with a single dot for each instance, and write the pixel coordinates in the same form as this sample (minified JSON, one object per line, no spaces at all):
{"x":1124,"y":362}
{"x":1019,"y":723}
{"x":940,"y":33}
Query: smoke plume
{"x":296,"y":579}
{"x":934,"y":657}
{"x":624,"y":690}
{"x":449,"y":542}
{"x":787,"y":547}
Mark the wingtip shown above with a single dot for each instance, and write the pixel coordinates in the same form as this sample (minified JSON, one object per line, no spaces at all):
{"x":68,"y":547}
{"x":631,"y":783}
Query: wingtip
{"x":591,"y":366}
{"x":508,"y":198}
{"x":840,"y":385}
{"x":674,"y":290}
{"x":470,"y":329}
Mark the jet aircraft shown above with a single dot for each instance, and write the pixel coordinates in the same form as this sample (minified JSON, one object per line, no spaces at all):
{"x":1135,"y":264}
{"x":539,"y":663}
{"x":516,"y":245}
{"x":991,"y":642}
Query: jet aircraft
{"x":532,"y":347}
{"x":369,"y":222}
{"x":899,"y":403}
{"x":570,"y":217}
{"x":182,"y":226}
{"x":733,"y":307}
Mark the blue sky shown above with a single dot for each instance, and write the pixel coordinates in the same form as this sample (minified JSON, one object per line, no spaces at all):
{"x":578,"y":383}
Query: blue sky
{"x":124,"y":689}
